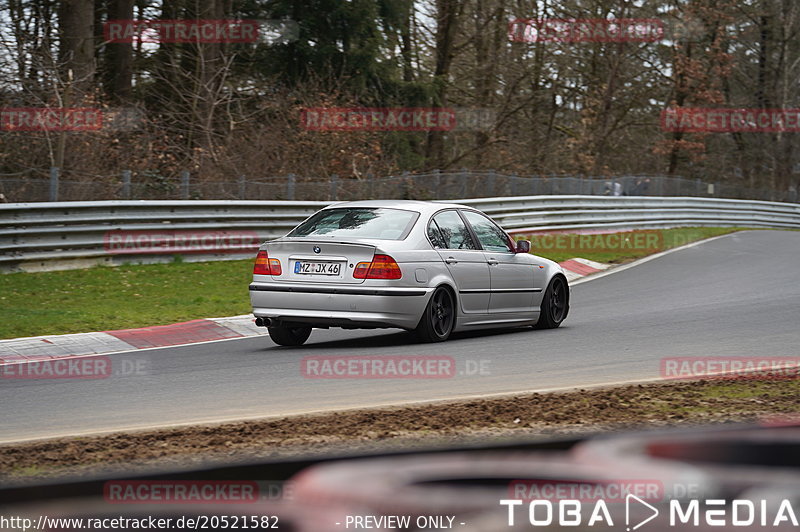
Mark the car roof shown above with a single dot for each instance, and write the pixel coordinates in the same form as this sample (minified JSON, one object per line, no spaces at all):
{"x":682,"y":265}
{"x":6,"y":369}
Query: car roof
{"x":423,"y":207}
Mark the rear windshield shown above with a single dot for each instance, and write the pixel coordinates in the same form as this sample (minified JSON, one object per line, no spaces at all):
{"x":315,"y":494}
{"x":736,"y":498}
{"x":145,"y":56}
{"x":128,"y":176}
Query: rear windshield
{"x":358,"y":222}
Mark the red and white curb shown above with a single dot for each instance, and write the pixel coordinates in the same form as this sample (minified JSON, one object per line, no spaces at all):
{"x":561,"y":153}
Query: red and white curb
{"x":577,"y":268}
{"x":50,"y":347}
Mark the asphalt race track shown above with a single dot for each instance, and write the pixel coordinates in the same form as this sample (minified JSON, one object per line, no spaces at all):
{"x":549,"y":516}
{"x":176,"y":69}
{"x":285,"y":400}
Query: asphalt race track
{"x":734,"y":296}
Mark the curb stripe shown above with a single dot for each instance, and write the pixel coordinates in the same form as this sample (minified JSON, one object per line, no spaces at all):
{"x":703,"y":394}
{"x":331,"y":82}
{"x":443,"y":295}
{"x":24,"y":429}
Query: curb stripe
{"x":578,"y":267}
{"x":51,"y":347}
{"x":187,"y":332}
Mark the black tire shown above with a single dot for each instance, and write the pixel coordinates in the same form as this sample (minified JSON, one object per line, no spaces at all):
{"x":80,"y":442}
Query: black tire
{"x":439,"y":317}
{"x":289,"y":336}
{"x":555,"y":304}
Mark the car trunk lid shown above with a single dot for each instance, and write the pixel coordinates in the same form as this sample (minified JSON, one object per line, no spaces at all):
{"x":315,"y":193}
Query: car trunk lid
{"x":319,"y":260}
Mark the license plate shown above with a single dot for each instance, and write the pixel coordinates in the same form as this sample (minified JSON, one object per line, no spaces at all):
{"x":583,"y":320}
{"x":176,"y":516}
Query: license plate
{"x":317,"y":268}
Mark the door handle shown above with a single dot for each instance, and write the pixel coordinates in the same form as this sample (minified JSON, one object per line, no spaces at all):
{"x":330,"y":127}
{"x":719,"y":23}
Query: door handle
{"x":451,"y":260}
{"x":493,"y":262}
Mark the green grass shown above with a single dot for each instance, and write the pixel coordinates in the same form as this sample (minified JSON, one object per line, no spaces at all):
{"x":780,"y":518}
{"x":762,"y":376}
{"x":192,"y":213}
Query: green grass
{"x":106,"y":298}
{"x":716,"y":394}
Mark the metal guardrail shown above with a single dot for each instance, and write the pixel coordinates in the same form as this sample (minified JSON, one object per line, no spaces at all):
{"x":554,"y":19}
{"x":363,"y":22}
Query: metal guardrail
{"x":45,"y":236}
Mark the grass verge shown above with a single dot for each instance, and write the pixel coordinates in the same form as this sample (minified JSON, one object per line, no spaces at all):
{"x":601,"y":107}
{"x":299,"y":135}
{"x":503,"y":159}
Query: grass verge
{"x":576,"y":412}
{"x":106,"y":298}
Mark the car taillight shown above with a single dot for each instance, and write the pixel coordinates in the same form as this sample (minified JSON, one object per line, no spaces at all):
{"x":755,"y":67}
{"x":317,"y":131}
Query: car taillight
{"x":265,"y":265}
{"x":381,"y":267}
{"x":275,"y":267}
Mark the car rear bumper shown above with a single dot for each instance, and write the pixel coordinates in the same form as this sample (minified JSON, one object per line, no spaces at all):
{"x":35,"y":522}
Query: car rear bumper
{"x":338,"y":305}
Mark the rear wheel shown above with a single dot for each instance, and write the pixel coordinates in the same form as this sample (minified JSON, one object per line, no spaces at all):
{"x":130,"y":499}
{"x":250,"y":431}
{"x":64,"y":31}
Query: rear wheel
{"x":289,"y":336}
{"x":439,"y":318}
{"x":555,"y":304}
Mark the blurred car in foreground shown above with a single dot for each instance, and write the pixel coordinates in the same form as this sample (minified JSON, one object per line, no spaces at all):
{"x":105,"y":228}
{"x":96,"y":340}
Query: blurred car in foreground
{"x":432,"y":268}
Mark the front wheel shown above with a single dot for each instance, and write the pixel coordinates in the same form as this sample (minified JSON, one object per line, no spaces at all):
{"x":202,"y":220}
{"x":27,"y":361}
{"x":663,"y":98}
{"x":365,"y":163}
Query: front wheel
{"x":439,"y":317}
{"x":555,"y":304}
{"x":289,"y":336}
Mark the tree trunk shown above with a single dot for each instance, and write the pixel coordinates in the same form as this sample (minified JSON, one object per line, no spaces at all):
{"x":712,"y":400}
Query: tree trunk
{"x":446,"y":25}
{"x":118,"y":61}
{"x":76,"y":50}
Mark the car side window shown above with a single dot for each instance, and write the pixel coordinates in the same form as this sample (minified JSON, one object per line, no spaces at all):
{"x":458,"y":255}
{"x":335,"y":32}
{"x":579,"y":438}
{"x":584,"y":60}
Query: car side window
{"x":452,"y":232}
{"x":435,"y":236}
{"x":491,"y":237}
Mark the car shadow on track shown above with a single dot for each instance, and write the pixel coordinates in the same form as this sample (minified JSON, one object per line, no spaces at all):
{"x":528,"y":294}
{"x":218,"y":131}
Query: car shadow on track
{"x":397,"y":338}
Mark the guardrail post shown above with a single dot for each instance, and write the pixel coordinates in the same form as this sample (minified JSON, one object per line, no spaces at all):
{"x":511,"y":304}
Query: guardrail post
{"x":242,"y":187}
{"x":334,"y":186}
{"x":53,"y":183}
{"x":185,"y":184}
{"x":490,"y":184}
{"x":126,"y":184}
{"x":290,"y":183}
{"x":405,"y":188}
{"x":437,"y":183}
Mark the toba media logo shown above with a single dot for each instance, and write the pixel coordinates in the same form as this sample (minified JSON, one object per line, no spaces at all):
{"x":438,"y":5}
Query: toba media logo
{"x":638,"y":513}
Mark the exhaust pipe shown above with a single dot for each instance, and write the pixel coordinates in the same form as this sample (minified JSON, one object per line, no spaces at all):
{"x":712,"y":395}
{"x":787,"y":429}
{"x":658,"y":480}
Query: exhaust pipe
{"x":263,"y":322}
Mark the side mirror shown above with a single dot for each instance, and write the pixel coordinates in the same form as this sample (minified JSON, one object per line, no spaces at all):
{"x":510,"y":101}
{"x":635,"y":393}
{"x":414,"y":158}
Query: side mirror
{"x":523,"y":246}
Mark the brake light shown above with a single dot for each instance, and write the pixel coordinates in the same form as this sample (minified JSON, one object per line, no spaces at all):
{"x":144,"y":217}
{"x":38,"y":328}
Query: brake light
{"x":265,"y":265}
{"x":381,"y":267}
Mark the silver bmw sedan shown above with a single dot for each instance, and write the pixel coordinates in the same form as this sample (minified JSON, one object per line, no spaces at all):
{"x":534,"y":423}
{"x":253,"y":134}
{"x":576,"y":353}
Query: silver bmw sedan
{"x":431,"y":268}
